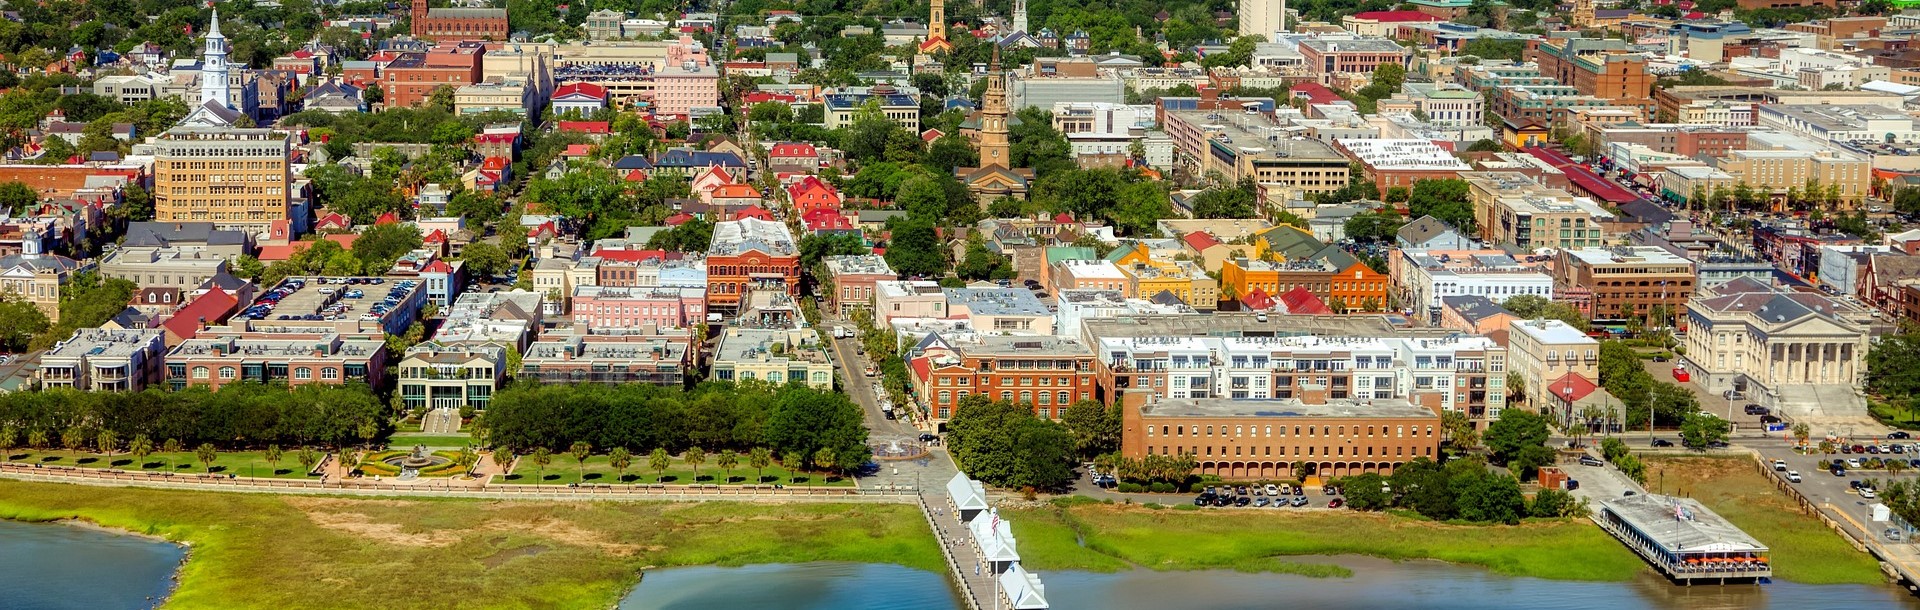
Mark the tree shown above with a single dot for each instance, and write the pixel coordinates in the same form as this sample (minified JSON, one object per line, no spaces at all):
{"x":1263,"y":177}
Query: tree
{"x":73,"y":438}
{"x":916,"y":249}
{"x":206,"y":453}
{"x":694,"y":456}
{"x":620,"y":459}
{"x":659,"y":460}
{"x":20,"y":322}
{"x":171,"y":447}
{"x":1534,"y":307}
{"x":1003,"y":444}
{"x":1239,"y":201}
{"x":1489,"y":497}
{"x":1459,"y":429}
{"x":1444,"y":200}
{"x":581,"y":450}
{"x":793,"y":461}
{"x":484,"y":259}
{"x":1095,"y":428}
{"x":380,"y":245}
{"x":1801,"y":431}
{"x":37,"y":439}
{"x":17,"y":197}
{"x":1381,"y":225}
{"x":1366,"y":492}
{"x":349,"y":461}
{"x":307,"y":458}
{"x":826,"y":460}
{"x":541,"y":457}
{"x":273,"y":455}
{"x":1553,"y":503}
{"x":140,"y":447}
{"x":1516,"y":430}
{"x":107,"y":442}
{"x":502,"y":457}
{"x":1699,"y":430}
{"x":759,"y":458}
{"x":728,"y":460}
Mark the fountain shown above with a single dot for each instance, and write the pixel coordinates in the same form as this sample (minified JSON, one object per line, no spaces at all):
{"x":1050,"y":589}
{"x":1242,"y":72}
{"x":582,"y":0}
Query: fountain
{"x":897,"y":449}
{"x":411,"y":463}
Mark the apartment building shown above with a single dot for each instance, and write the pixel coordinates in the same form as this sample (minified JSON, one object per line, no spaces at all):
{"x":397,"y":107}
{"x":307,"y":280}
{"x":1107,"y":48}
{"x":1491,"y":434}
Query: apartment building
{"x":1422,"y":278}
{"x":902,"y":108}
{"x":1099,"y":274}
{"x":236,"y":178}
{"x":907,"y":299}
{"x":855,"y":281}
{"x":218,"y":358}
{"x":617,"y":307}
{"x":103,"y":360}
{"x":1546,"y":353}
{"x":411,"y":78}
{"x":38,"y":278}
{"x":776,"y":356}
{"x":510,"y":318}
{"x":439,"y":376}
{"x":147,"y":267}
{"x":1353,"y":56}
{"x":1000,"y":310}
{"x":1046,"y":373}
{"x":1849,"y":178}
{"x":1185,"y":280}
{"x":1627,"y":281}
{"x":1243,"y":145}
{"x":679,"y":91}
{"x":1602,"y":68}
{"x":1513,"y":209}
{"x":661,"y":360}
{"x":750,"y":254}
{"x":1442,"y":373}
{"x":1265,"y":439}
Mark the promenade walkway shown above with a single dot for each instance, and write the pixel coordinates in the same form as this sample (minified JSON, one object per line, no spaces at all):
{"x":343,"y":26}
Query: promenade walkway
{"x":973,"y":575}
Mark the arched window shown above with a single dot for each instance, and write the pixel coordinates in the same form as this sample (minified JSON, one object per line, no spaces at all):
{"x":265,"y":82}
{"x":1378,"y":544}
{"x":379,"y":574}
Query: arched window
{"x":199,"y":372}
{"x":303,"y":373}
{"x":226,"y":372}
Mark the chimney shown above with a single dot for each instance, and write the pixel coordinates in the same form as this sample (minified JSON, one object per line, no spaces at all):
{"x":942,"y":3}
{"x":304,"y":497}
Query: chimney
{"x":319,"y":350}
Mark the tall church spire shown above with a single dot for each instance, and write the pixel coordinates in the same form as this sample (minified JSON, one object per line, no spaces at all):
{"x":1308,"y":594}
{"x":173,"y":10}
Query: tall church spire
{"x":1019,"y":15}
{"x":994,"y":148}
{"x":214,"y":84}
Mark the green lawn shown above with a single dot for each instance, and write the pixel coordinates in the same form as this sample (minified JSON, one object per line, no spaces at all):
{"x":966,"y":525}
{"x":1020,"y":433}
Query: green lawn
{"x":1117,"y":536}
{"x":262,"y":551}
{"x":241,"y":463}
{"x":565,"y":470}
{"x":1804,"y":550}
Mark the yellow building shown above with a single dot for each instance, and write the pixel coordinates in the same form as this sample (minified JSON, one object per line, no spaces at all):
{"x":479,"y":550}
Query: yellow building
{"x":1184,"y":279}
{"x":235,"y":178}
{"x":1775,"y":172}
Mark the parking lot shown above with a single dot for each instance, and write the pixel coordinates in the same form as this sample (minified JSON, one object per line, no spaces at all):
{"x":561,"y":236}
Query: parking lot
{"x":1835,"y":492}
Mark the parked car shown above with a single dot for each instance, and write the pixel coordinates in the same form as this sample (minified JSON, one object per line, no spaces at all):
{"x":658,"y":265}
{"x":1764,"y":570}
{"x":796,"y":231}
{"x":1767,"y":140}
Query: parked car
{"x":1867,"y":493}
{"x":1769,"y":419}
{"x":1260,"y":503}
{"x":1779,"y":465}
{"x":1839,"y":471}
{"x":1853,"y":462}
{"x":1854,"y":485}
{"x":1202,"y":500}
{"x":1793,"y":476}
{"x":1242,"y":501}
{"x":1336,"y":503}
{"x":1588,"y":460}
{"x":1272,"y":490}
{"x":1298,"y":501}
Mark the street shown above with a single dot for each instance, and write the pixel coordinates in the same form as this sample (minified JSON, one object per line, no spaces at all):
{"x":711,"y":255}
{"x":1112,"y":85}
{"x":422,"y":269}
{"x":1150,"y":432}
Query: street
{"x":929,"y":472}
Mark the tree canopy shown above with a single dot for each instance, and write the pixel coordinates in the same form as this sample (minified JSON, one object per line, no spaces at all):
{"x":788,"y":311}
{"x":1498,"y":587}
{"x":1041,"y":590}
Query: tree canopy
{"x":1004,"y":444}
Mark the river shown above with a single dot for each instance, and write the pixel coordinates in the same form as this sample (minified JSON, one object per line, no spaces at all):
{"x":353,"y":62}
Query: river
{"x":54,"y":567}
{"x":1376,"y":584}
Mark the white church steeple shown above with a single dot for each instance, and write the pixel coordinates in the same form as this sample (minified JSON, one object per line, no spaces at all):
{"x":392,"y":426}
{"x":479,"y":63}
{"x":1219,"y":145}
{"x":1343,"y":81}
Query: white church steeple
{"x":214,"y":85}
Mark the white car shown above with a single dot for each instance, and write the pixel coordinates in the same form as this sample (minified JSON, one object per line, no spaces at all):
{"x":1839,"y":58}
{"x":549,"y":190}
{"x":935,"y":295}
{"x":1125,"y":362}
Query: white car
{"x":1793,"y":476}
{"x":1866,"y":492}
{"x":1273,"y":490}
{"x":1853,"y":463}
{"x":1779,"y":465}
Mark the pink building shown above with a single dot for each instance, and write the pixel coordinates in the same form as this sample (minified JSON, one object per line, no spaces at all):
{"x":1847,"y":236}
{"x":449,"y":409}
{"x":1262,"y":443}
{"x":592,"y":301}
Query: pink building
{"x":677,"y":90}
{"x":1091,"y":275}
{"x":686,"y":50}
{"x":618,"y":307}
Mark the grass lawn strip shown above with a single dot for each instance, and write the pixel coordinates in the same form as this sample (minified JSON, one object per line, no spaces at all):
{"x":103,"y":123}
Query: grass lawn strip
{"x":240,"y":463}
{"x":565,"y":470}
{"x":1258,"y":541}
{"x":1803,"y":550}
{"x":253,"y":551}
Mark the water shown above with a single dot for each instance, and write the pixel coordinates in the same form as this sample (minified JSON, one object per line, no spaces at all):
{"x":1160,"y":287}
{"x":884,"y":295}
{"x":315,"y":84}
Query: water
{"x":823,"y":585}
{"x":54,"y":567}
{"x":1376,"y":584}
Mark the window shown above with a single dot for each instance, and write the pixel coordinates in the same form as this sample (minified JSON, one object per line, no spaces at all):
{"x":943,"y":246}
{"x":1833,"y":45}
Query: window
{"x":199,"y":372}
{"x":329,"y":373}
{"x":226,"y":372}
{"x":303,"y":373}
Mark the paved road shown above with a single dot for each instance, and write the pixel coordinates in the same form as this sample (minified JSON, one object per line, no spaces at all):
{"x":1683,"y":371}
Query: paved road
{"x":929,"y":472}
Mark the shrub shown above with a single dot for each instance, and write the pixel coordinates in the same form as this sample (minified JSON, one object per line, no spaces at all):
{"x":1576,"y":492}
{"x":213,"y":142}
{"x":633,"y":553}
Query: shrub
{"x":1825,"y":464}
{"x":1612,"y":448}
{"x":1161,"y":487}
{"x":1130,"y":488}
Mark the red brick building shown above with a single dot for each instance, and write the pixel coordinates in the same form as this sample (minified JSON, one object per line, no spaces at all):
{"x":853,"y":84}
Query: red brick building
{"x":1263,"y":439}
{"x":411,"y":78}
{"x":1045,"y":372}
{"x":750,"y":254}
{"x":438,"y":24}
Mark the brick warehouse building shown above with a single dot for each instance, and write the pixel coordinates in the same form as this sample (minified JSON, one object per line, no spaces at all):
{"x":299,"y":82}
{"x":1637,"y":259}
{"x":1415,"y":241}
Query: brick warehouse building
{"x":1263,"y":439}
{"x":410,"y":79}
{"x":458,"y":23}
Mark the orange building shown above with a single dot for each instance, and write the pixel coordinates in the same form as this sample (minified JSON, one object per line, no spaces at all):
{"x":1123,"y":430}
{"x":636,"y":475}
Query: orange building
{"x":1356,"y":287}
{"x":1598,"y":67}
{"x":750,"y":254}
{"x":458,"y":23}
{"x":1045,"y":372}
{"x":1266,"y":439}
{"x":410,"y":79}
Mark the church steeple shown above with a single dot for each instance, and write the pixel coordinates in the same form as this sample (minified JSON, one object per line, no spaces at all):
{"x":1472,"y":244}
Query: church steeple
{"x":936,"y":30}
{"x":214,"y":83}
{"x":1019,"y":15}
{"x":994,"y":148}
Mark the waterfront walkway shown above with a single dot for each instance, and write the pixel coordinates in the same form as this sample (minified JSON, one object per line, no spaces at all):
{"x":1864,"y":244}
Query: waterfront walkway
{"x":970,"y":572}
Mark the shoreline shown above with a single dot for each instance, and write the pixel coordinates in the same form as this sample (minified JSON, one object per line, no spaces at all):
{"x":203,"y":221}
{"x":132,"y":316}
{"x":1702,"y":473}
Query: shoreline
{"x":83,"y":523}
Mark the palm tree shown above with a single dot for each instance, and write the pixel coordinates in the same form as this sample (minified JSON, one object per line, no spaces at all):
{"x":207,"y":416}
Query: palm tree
{"x":541,"y":457}
{"x":273,"y":456}
{"x":108,"y":442}
{"x":73,"y":438}
{"x":140,"y":447}
{"x":1801,"y":431}
{"x":307,"y":458}
{"x":367,"y":431}
{"x":659,"y":460}
{"x":694,"y":457}
{"x":1894,"y":467}
{"x":581,"y":450}
{"x":37,"y":439}
{"x":206,"y":454}
{"x":759,"y":458}
{"x":172,"y":447}
{"x":793,"y":461}
{"x":8,"y":434}
{"x":824,"y":458}
{"x":729,"y":459}
{"x":349,"y":460}
{"x":620,"y":459}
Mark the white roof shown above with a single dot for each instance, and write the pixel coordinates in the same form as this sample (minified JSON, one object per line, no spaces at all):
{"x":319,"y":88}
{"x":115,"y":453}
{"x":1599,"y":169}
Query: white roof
{"x":967,"y":494}
{"x":1023,"y":589}
{"x":993,"y":536}
{"x":1890,"y":87}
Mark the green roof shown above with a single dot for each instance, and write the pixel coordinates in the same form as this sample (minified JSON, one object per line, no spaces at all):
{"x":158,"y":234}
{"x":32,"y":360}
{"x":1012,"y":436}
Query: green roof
{"x":1291,"y":243}
{"x":1071,"y":253}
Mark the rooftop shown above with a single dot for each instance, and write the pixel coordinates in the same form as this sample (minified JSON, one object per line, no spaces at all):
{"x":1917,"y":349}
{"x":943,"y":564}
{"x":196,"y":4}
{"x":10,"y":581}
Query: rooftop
{"x":858,"y":264}
{"x":1626,"y":254}
{"x":996,"y":301}
{"x":1356,"y":45}
{"x":904,"y":288}
{"x":102,"y":343}
{"x":757,"y":345}
{"x":1291,"y":407}
{"x":1551,"y":332}
{"x":1403,"y":155}
{"x":1680,"y":525}
{"x":738,"y":236}
{"x":1002,"y":345}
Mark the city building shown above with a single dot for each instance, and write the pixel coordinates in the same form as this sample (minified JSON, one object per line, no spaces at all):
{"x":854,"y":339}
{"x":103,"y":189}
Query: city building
{"x":1380,"y":24}
{"x":1848,"y":178}
{"x":1513,"y":209}
{"x":504,"y":319}
{"x":1602,"y":68}
{"x":750,"y":254}
{"x":855,"y":280}
{"x":1422,"y":278}
{"x":619,"y":307}
{"x":457,"y":23}
{"x":1627,"y":281}
{"x":320,"y":305}
{"x":171,"y":267}
{"x":1242,"y":145}
{"x":218,"y":358}
{"x":845,"y":106}
{"x":1475,"y":314}
{"x":1546,"y":353}
{"x":437,"y":376}
{"x":996,"y":176}
{"x":1759,"y":341}
{"x":1000,"y":310}
{"x":101,"y":360}
{"x":38,"y":279}
{"x":1354,"y":56}
{"x":236,"y":178}
{"x":1099,"y":274}
{"x":776,"y":356}
{"x":1262,"y":17}
{"x":907,"y":299}
{"x":661,"y":360}
{"x":1045,"y":373}
{"x":685,"y":92}
{"x":1391,"y":163}
{"x":1325,"y":437}
{"x":1102,"y":134}
{"x":410,"y":79}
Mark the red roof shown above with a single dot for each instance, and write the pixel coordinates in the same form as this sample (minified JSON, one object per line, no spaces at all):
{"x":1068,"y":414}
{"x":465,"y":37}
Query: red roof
{"x":494,"y":138}
{"x":931,"y":135}
{"x":437,"y":266}
{"x":828,"y":221}
{"x":212,"y":307}
{"x":922,"y":368}
{"x":753,"y":211}
{"x":333,"y":220}
{"x":1303,"y":301}
{"x":793,"y":149}
{"x":1315,"y":93}
{"x":1583,"y":177}
{"x":634,"y":256}
{"x":755,"y":97}
{"x":581,"y":89}
{"x":496,"y":163}
{"x":736,"y":191}
{"x":387,"y":219}
{"x":636,"y":176}
{"x":1396,"y":16}
{"x":436,"y":237}
{"x":579,"y":150}
{"x":677,"y":219}
{"x":587,"y":127}
{"x":1062,"y":218}
{"x":1258,"y":300}
{"x":1571,"y":387}
{"x":1200,"y":240}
